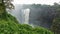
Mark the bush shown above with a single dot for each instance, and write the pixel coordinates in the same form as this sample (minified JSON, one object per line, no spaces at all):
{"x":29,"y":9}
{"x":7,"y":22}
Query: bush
{"x":11,"y":26}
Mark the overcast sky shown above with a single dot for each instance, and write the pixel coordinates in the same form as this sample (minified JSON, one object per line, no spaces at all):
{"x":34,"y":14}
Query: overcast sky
{"x":49,"y":2}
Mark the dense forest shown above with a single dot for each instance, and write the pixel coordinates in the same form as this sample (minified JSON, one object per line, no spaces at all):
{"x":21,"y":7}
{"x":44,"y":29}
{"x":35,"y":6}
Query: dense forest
{"x":10,"y":25}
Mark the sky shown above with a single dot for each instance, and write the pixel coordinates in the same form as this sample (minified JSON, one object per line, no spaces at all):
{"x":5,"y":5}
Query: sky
{"x":49,"y":2}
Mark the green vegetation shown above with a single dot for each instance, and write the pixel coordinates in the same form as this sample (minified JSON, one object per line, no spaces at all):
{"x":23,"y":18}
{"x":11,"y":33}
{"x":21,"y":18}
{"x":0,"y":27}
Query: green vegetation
{"x":56,"y":21}
{"x":11,"y":26}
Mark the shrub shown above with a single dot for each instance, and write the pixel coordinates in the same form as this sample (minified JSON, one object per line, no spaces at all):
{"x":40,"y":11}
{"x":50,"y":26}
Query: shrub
{"x":11,"y":26}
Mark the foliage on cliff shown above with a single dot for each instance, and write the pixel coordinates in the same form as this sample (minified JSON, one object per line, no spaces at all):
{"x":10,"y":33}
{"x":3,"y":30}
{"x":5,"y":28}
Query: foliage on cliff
{"x":56,"y":21}
{"x":11,"y":26}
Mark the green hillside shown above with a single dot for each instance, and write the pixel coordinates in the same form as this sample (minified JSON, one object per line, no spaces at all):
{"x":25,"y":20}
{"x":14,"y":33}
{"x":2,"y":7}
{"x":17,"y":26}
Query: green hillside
{"x":11,"y":26}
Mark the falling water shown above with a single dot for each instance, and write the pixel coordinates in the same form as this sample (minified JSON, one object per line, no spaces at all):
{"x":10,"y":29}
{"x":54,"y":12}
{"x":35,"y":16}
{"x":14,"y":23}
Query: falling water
{"x":21,"y":14}
{"x":26,"y":14}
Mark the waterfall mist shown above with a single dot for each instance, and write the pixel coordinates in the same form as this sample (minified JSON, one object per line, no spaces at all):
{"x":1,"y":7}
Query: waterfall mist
{"x":34,"y":14}
{"x":21,"y":14}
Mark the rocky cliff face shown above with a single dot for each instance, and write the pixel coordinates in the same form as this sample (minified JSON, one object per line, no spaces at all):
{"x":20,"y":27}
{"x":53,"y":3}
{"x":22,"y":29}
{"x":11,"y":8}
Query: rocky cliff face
{"x":39,"y":15}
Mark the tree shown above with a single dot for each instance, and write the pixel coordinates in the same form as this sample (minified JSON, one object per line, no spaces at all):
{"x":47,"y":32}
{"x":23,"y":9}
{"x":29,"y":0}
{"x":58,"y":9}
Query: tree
{"x":5,"y":4}
{"x":8,"y":4}
{"x":56,"y":21}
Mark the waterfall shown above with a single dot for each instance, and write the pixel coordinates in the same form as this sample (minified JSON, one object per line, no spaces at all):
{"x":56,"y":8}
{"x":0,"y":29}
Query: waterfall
{"x":26,"y":15}
{"x":21,"y":14}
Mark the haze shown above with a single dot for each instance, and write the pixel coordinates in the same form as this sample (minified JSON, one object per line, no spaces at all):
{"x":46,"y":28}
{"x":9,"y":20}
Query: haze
{"x":49,"y":2}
